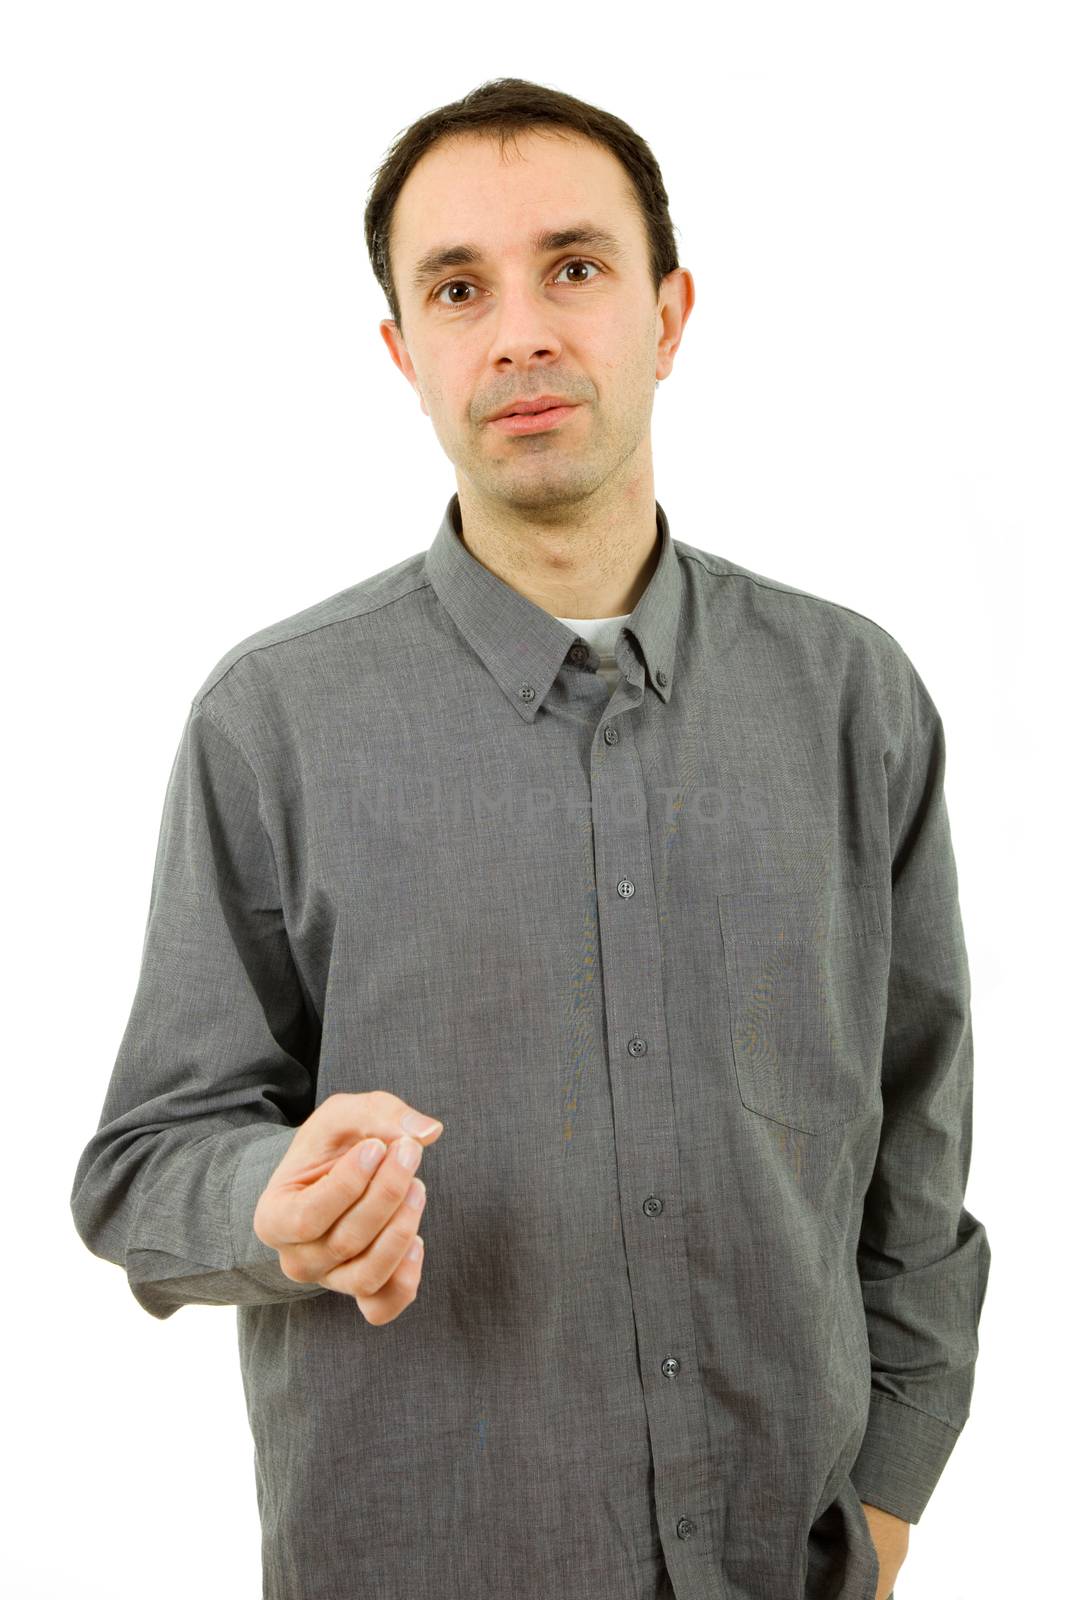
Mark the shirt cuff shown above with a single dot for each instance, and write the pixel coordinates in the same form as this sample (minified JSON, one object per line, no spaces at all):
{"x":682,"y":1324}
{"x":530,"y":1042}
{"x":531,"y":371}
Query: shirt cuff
{"x":902,"y":1456}
{"x":253,"y":1172}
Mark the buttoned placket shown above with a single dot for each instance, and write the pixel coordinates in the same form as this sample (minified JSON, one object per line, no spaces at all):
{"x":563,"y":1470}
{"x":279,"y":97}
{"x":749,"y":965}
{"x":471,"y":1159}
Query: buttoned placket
{"x":646,"y":1136}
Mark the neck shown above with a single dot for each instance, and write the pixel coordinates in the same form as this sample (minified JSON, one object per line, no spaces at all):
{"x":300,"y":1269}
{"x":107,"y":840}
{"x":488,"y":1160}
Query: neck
{"x":584,"y":564}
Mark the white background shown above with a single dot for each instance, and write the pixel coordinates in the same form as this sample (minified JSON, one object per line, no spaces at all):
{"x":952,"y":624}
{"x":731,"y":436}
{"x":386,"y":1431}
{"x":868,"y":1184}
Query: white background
{"x":203,"y":433}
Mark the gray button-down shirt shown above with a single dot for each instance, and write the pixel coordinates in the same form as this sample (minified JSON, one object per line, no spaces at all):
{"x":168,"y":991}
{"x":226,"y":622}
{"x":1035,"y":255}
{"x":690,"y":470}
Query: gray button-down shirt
{"x":680,"y":967}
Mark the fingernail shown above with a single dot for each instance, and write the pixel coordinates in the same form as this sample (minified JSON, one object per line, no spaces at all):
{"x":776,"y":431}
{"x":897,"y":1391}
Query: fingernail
{"x":421,"y":1126}
{"x":371,"y":1154}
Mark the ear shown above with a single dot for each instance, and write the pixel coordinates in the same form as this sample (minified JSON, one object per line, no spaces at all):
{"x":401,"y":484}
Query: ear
{"x":394,"y":341}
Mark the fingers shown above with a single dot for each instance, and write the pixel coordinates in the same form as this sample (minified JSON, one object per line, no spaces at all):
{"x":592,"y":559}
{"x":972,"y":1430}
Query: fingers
{"x":366,"y":1274}
{"x":379,"y":1207}
{"x":320,"y":1177}
{"x":366,"y":1202}
{"x":299,"y":1212}
{"x":401,"y":1289}
{"x":398,"y":1293}
{"x":337,"y":1222}
{"x":313,"y":1212}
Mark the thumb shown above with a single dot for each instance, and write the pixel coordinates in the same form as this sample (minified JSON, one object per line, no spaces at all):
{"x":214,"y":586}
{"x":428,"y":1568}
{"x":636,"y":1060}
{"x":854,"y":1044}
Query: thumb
{"x":426,"y":1128}
{"x":344,"y":1121}
{"x":393,"y":1118}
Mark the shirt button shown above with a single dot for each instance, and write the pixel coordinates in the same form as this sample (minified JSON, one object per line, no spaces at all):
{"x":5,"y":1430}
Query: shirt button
{"x":671,"y":1367}
{"x":611,"y":735}
{"x":636,"y":1046}
{"x":686,"y":1529}
{"x":527,"y":691}
{"x":626,"y":888}
{"x":661,"y":678}
{"x":652,"y":1206}
{"x":577,"y":653}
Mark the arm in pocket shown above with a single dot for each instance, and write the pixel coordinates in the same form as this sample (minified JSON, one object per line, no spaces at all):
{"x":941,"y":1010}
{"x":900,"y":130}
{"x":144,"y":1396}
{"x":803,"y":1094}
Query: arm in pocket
{"x":923,"y":1259}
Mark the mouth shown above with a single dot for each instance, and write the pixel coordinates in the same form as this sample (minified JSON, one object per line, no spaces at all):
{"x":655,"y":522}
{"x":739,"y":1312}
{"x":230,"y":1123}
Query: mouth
{"x":533,"y":421}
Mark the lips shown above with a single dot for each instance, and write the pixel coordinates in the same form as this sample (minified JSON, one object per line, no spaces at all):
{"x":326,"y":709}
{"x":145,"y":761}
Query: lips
{"x":539,"y":421}
{"x":525,"y":408}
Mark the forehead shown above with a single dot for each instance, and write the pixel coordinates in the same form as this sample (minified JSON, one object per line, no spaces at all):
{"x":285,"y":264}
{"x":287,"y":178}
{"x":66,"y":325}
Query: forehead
{"x":467,"y":201}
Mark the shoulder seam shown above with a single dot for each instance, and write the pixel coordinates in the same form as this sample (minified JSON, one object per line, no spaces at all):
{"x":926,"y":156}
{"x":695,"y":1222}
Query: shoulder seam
{"x":216,"y":721}
{"x":789,"y":591}
{"x":334,"y":622}
{"x":213,"y":717}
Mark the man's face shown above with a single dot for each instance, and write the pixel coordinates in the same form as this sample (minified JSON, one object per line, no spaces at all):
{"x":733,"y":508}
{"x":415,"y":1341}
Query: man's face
{"x":581,"y":320}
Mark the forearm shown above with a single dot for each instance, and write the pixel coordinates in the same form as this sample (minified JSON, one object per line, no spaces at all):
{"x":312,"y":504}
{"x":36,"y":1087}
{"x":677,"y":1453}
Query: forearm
{"x":180,"y":1222}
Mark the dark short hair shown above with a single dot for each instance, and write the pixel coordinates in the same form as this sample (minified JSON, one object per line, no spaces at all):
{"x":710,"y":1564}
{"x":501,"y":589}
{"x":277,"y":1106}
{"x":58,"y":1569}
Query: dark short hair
{"x":507,"y":106}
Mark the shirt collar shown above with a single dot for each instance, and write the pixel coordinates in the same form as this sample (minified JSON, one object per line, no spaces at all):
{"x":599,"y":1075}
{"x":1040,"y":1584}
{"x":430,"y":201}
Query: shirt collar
{"x":523,"y":645}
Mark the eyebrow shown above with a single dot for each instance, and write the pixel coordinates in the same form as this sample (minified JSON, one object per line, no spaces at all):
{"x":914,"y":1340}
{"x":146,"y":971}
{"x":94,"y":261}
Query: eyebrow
{"x":545,"y":242}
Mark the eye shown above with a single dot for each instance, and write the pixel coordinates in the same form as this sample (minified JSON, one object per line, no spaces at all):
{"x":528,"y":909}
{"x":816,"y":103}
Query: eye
{"x":457,"y":304}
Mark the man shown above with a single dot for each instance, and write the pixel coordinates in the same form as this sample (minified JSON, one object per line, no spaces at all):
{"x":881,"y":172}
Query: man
{"x":632,"y":868}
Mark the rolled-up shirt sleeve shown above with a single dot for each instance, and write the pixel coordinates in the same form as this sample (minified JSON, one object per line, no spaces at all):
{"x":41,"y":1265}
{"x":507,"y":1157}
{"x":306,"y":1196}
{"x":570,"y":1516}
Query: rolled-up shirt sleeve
{"x":923,"y":1258}
{"x":217,"y":1064}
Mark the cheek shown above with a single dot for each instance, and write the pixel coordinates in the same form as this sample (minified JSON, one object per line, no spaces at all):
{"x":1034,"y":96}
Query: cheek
{"x":620,"y":356}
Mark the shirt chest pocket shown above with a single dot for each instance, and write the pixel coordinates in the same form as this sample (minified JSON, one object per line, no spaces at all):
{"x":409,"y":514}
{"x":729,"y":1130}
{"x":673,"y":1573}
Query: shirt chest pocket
{"x":807,"y":980}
